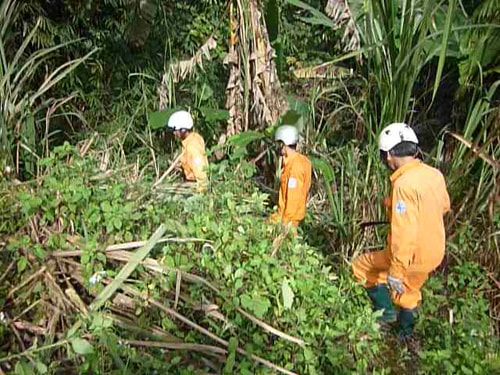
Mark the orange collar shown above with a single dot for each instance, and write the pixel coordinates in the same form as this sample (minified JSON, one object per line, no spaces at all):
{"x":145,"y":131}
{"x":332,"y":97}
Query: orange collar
{"x":288,"y":159}
{"x":404,"y":168}
{"x":187,"y":139}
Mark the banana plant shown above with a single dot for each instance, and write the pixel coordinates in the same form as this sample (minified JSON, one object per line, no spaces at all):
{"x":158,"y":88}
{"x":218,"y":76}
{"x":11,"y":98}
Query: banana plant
{"x":22,"y":98}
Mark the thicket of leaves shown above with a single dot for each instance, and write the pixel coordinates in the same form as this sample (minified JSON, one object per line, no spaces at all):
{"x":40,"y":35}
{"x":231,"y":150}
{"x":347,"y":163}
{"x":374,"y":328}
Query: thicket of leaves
{"x":221,"y":237}
{"x":86,"y":204}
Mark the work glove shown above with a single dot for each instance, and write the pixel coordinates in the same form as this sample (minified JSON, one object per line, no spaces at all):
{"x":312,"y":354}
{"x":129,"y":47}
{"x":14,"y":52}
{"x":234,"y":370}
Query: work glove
{"x":396,"y":284}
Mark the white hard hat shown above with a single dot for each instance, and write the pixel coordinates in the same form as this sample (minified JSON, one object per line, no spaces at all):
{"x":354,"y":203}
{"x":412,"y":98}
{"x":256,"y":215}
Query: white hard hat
{"x":180,"y":120}
{"x":288,"y":134}
{"x":394,"y":134}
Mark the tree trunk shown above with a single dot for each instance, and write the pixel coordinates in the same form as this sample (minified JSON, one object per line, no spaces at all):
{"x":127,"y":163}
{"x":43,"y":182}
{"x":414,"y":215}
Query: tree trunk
{"x":253,"y":95}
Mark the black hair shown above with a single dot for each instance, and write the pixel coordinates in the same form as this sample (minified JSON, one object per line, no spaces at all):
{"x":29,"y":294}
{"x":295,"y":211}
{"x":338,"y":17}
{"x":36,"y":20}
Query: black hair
{"x":280,"y":144}
{"x":401,"y":150}
{"x":405,"y":148}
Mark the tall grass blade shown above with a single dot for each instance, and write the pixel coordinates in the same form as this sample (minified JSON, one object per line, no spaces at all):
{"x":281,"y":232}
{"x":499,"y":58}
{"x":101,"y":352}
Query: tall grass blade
{"x":444,"y":46}
{"x":126,"y":271}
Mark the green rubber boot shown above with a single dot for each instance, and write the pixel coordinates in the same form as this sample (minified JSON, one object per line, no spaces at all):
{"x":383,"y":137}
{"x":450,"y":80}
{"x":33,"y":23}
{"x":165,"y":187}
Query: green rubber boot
{"x":381,"y":299}
{"x":408,"y":337}
{"x":406,"y":322}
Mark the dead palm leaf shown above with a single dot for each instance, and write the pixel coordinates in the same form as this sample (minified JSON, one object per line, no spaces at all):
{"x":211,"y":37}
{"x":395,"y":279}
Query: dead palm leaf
{"x":180,"y":70}
{"x":340,"y":13}
{"x":253,"y":92}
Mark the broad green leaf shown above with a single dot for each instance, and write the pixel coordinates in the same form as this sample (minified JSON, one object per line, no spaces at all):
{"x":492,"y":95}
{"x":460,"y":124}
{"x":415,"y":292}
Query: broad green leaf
{"x":81,"y":346}
{"x":23,"y":368}
{"x":323,"y":167}
{"x":109,"y":227}
{"x":272,"y":19}
{"x":101,"y":322}
{"x":287,"y":294}
{"x":212,"y":115}
{"x":22,"y":263}
{"x":298,"y":105}
{"x":317,"y":21}
{"x":317,"y":17}
{"x":231,"y":359}
{"x":258,"y":305}
{"x":41,"y":368}
{"x":158,"y":120}
{"x":106,"y":206}
{"x":39,"y":252}
{"x":291,"y":118}
{"x":176,"y":360}
{"x":117,"y":222}
{"x":238,"y":153}
{"x":244,"y":138}
{"x":204,"y":92}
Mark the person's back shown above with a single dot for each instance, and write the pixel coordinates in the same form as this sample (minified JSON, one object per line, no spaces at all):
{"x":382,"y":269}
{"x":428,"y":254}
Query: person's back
{"x":194,"y":160}
{"x":295,"y":180}
{"x":295,"y":184}
{"x":416,"y":241}
{"x":426,"y":188}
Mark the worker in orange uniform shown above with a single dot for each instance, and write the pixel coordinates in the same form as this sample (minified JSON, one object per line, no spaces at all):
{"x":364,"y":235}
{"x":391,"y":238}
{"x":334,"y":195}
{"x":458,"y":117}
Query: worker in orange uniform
{"x":416,"y":241}
{"x":295,"y":178}
{"x":193,"y":160}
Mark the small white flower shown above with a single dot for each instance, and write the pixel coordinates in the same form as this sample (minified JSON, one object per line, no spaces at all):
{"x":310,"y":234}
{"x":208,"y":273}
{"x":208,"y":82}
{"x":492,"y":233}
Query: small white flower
{"x":96,"y":277}
{"x":2,"y":318}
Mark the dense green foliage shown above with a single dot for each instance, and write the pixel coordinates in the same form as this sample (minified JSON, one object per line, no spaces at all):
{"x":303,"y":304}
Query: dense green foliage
{"x":295,"y":290}
{"x":92,"y":74}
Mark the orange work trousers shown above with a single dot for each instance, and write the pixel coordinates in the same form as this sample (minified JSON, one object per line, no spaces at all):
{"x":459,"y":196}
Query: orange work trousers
{"x":373,"y":268}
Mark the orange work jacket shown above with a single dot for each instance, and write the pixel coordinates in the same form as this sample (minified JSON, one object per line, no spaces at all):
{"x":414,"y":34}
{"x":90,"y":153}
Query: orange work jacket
{"x":194,"y":159}
{"x":418,"y":202}
{"x":295,"y":183}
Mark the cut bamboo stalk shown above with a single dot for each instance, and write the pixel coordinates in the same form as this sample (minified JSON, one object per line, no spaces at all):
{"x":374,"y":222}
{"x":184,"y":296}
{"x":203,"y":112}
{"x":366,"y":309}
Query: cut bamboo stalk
{"x":207,"y":333}
{"x":170,"y":169}
{"x":154,"y":266}
{"x":126,"y":246}
{"x":127,"y":270}
{"x":178,"y":346}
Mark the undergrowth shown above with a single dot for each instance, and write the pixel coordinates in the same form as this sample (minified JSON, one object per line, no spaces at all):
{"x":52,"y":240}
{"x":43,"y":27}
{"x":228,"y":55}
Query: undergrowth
{"x":220,"y":269}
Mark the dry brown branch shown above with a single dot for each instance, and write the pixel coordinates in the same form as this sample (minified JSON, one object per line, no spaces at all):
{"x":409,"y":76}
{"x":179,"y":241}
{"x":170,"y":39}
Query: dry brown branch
{"x":63,"y":302}
{"x":27,"y":281}
{"x":476,"y":150}
{"x":26,"y":310}
{"x":76,"y":300}
{"x":206,"y":332}
{"x":154,"y":266}
{"x":26,"y":326}
{"x":6,"y":273}
{"x":120,"y":247}
{"x":169,"y":170}
{"x":177,"y":288}
{"x":178,"y":346}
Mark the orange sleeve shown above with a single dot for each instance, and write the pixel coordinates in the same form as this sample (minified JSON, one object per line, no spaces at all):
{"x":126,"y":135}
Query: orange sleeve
{"x":446,"y":199}
{"x":296,"y":189}
{"x":278,"y":215}
{"x":404,"y":230}
{"x":198,"y":162}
